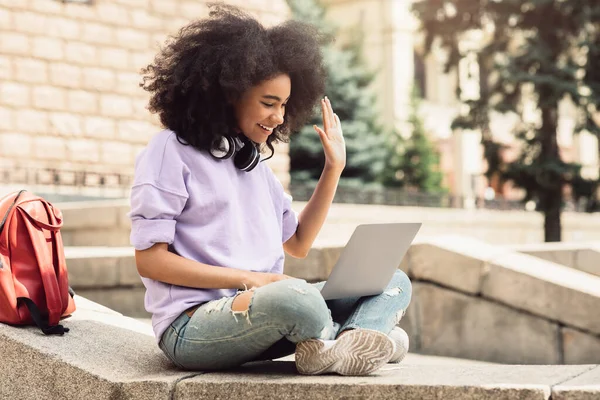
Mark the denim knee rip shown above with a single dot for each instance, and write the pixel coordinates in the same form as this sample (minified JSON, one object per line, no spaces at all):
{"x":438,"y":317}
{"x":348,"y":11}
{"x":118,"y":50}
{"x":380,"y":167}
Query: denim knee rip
{"x":220,"y":304}
{"x":226,"y":304}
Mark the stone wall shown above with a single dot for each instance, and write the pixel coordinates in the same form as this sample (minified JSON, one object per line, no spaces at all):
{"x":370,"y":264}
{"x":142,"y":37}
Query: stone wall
{"x":490,"y":303}
{"x":71,"y":111}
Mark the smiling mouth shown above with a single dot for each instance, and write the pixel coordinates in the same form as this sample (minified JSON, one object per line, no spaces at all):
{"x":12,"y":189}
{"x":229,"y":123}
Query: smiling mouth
{"x":265,"y":128}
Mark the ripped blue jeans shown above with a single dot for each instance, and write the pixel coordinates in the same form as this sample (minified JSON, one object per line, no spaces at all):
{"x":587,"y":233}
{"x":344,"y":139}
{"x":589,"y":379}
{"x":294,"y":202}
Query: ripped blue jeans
{"x":280,"y":315}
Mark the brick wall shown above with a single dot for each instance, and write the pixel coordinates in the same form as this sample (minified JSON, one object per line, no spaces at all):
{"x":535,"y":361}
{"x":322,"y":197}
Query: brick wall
{"x":71,"y":112}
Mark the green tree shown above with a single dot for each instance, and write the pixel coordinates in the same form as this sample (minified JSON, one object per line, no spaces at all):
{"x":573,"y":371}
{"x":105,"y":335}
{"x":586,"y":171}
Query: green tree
{"x":413,"y":163}
{"x":348,"y":89}
{"x":539,"y":50}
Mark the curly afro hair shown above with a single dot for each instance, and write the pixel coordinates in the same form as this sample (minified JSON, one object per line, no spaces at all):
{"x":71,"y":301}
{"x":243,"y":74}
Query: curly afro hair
{"x":213,"y":61}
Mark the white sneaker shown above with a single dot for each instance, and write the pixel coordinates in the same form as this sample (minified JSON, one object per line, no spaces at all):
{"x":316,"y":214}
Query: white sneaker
{"x":400,"y":337}
{"x":356,"y":352}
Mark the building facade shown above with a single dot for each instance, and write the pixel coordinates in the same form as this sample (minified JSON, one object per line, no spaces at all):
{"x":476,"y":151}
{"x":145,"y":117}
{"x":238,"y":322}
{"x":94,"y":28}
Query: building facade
{"x":72,"y":114}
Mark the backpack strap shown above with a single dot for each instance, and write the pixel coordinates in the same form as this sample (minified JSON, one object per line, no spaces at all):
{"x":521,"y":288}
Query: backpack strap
{"x":55,"y":220}
{"x":10,"y":209}
{"x":53,"y":299}
{"x":40,"y":321}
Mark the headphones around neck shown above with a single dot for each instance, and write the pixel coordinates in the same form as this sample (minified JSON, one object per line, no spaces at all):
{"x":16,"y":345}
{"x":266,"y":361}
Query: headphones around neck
{"x":245,"y":153}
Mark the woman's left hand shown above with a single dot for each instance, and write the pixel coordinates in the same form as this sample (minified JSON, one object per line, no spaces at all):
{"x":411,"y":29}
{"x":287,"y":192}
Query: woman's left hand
{"x":332,"y":138}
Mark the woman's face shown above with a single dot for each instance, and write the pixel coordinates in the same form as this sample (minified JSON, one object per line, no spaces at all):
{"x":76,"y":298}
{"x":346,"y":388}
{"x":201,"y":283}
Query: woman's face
{"x":262,"y":108}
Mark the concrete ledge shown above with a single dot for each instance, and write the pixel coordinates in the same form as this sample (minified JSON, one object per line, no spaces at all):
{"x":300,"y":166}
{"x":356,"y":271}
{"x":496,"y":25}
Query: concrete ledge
{"x":279,"y":381}
{"x":520,"y":281}
{"x":109,"y":356}
{"x":584,"y":256}
{"x":96,"y":223}
{"x":105,"y":223}
{"x":99,"y":267}
{"x":583,"y":387}
{"x":475,"y":300}
{"x":107,"y":275}
{"x":454,"y":324}
{"x":550,"y":290}
{"x":454,"y":261}
{"x":104,"y":356}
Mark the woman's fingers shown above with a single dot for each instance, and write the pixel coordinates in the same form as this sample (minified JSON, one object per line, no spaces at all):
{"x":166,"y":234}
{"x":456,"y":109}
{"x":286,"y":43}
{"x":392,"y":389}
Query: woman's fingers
{"x":320,"y":131}
{"x":326,"y":120}
{"x":330,"y":119}
{"x":330,"y":110}
{"x":339,"y":124}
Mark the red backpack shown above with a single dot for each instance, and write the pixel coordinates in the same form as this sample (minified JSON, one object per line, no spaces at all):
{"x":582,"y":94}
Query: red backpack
{"x":34,"y":287}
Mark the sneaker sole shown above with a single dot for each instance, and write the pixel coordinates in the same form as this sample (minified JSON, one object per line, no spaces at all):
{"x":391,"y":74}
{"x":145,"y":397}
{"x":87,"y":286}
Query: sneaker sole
{"x":357,"y":352}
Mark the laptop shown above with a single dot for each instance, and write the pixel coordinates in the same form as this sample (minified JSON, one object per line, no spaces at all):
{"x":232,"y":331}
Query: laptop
{"x":369,"y":260}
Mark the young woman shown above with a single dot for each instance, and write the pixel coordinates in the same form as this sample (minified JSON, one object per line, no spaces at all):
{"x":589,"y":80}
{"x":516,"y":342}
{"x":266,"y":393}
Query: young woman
{"x":210,"y":222}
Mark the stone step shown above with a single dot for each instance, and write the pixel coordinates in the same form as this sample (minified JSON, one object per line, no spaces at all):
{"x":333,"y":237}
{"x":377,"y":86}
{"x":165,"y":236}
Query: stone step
{"x":106,"y":355}
{"x":470,"y":299}
{"x":107,"y":275}
{"x":584,"y":256}
{"x":105,"y":223}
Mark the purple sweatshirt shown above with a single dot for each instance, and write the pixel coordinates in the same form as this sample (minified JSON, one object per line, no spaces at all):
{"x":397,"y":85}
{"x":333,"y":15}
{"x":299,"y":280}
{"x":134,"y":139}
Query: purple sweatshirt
{"x":209,"y":211}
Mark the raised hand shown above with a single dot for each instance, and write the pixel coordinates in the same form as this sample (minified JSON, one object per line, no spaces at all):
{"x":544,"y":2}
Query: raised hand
{"x":332,"y":137}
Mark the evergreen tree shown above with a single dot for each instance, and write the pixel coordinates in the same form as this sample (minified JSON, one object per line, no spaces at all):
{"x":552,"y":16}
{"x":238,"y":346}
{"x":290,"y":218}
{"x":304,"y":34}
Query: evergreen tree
{"x":348,"y":89}
{"x":540,"y":50}
{"x":413,"y":163}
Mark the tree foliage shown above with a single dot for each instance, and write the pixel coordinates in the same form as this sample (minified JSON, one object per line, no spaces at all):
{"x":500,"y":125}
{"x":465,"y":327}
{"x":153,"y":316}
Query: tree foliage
{"x":348,"y":89}
{"x":413,"y":163}
{"x":537,"y":51}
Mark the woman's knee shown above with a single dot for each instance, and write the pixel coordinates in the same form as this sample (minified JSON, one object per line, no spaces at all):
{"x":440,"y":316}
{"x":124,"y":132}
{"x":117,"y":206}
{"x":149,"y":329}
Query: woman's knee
{"x":292,"y":296}
{"x":401,"y":282}
{"x":294,"y":302}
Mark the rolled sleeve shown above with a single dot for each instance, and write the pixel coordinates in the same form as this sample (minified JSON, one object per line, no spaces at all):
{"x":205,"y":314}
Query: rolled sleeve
{"x":145,"y":233}
{"x":154,"y":213}
{"x":290,"y":218}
